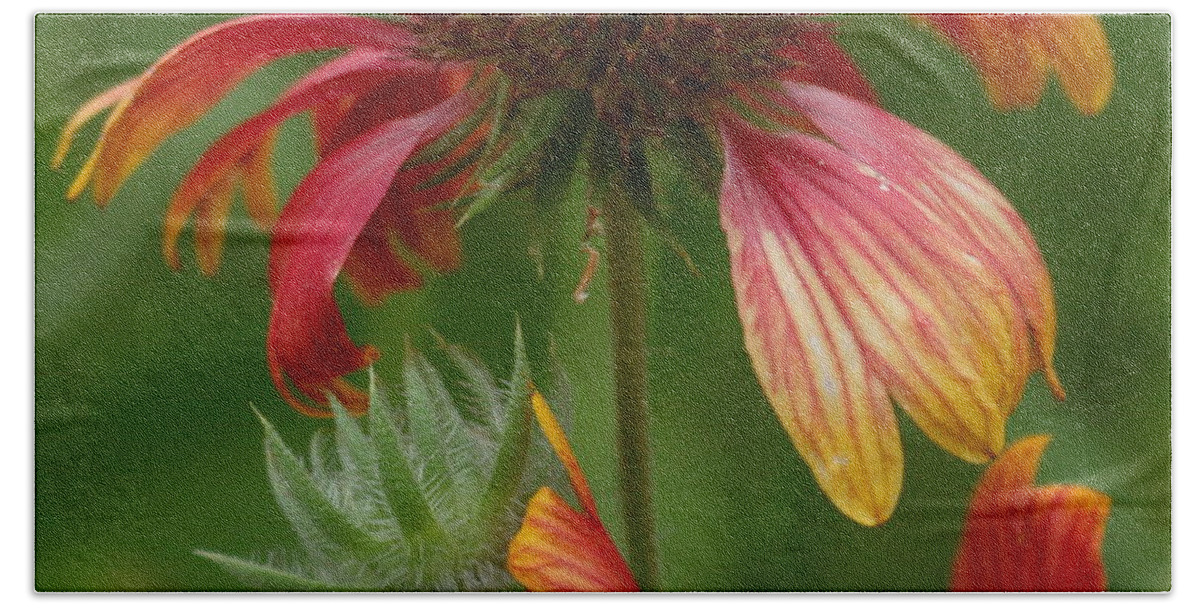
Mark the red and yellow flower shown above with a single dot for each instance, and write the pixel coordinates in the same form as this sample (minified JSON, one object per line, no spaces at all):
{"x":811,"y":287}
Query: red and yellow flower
{"x":372,"y":108}
{"x":871,"y":263}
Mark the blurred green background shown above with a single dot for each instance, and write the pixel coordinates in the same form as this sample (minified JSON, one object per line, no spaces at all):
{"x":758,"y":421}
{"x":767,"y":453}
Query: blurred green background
{"x":146,"y":446}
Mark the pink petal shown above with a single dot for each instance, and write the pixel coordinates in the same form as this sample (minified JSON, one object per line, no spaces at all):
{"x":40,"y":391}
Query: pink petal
{"x":952,"y":192}
{"x":872,"y":266}
{"x":812,"y":369}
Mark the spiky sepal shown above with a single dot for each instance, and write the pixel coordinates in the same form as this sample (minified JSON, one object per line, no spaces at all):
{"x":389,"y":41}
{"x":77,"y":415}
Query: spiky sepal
{"x":421,"y":497}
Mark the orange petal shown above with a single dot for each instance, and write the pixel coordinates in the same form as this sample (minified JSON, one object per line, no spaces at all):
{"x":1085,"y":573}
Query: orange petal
{"x":1015,"y":53}
{"x":1021,"y":537}
{"x":1081,"y":57}
{"x":558,"y":441}
{"x":559,"y":548}
{"x":211,"y":215}
{"x":258,"y":185}
{"x":242,"y":157}
{"x":86,"y":112}
{"x":187,"y":81}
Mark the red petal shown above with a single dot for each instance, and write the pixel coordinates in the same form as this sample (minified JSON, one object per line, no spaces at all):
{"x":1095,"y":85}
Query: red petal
{"x":187,"y":81}
{"x":824,"y":63}
{"x":228,"y":158}
{"x":402,"y":95}
{"x":307,"y":340}
{"x":1019,"y":537}
{"x":372,"y":268}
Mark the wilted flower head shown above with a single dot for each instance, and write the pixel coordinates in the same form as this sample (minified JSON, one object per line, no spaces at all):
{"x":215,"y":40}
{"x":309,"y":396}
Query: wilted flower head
{"x":871,"y":263}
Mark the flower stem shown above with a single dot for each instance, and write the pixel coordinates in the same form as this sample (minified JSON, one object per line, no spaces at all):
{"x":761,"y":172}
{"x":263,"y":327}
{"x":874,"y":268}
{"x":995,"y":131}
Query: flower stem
{"x":627,"y":293}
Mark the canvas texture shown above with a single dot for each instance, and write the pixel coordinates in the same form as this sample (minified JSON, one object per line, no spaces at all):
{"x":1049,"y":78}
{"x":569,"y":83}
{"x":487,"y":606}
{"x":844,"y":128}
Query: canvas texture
{"x":602,"y":302}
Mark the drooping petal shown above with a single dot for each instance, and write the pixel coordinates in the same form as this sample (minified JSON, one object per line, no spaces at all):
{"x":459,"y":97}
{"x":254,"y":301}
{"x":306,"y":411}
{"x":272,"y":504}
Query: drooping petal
{"x":810,"y":364}
{"x":187,"y":81}
{"x":559,"y":548}
{"x":1015,"y":53}
{"x":307,"y":343}
{"x":241,"y":157}
{"x":406,"y":218}
{"x":372,"y":268}
{"x":343,"y":121}
{"x":1021,"y":537}
{"x":950,"y":191}
{"x":871,"y":268}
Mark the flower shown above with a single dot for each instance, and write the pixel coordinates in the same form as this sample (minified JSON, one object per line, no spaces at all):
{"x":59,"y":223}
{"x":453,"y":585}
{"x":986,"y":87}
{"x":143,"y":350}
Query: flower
{"x":559,"y":548}
{"x":1015,"y":54}
{"x":870,"y":262}
{"x":1021,"y":537}
{"x":372,"y":108}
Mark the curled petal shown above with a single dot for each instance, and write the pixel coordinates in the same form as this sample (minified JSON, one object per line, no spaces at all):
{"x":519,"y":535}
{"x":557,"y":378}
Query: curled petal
{"x":86,"y":112}
{"x":877,"y":268}
{"x":191,"y":78}
{"x":1014,"y":55}
{"x":372,"y":268}
{"x":1021,"y":537}
{"x":307,"y":341}
{"x":423,"y":86}
{"x":559,"y":548}
{"x":242,"y":156}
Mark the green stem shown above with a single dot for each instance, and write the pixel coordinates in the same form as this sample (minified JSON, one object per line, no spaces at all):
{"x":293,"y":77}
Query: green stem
{"x":627,"y":293}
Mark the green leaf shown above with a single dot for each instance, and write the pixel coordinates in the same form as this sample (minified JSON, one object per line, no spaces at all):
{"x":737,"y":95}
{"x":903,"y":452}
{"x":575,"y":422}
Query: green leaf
{"x":263,"y":577}
{"x":400,"y":485}
{"x":485,"y":405}
{"x":323,"y":527}
{"x":354,"y":448}
{"x":450,"y":453}
{"x":512,"y":457}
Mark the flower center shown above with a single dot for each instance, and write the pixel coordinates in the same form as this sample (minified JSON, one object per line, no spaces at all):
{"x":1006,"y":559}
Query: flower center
{"x":643,"y":71}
